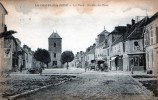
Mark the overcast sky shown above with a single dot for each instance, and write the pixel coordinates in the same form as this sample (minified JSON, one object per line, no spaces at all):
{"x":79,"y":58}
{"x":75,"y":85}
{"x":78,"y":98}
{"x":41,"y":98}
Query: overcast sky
{"x":77,"y":25}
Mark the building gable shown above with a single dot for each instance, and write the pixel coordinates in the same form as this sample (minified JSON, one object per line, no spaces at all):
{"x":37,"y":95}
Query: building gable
{"x":3,"y":9}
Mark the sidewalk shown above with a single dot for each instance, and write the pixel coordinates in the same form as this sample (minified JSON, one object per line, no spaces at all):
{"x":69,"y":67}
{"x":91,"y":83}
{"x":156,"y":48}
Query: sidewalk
{"x":73,"y":70}
{"x":53,"y":71}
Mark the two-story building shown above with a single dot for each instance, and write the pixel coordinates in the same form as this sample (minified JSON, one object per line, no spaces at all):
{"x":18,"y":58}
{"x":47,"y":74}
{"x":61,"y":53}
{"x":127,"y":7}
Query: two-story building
{"x":111,"y":47}
{"x":134,"y":53}
{"x":10,"y":51}
{"x":151,"y":44}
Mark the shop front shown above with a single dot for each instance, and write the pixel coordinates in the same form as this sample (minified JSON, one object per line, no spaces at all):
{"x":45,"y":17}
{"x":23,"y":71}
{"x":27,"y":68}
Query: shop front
{"x":138,"y":61}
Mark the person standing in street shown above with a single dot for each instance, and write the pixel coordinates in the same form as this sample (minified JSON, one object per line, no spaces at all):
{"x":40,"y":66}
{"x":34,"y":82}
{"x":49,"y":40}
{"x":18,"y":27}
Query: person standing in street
{"x":86,"y":65}
{"x":21,"y":68}
{"x":132,"y":69}
{"x":40,"y":70}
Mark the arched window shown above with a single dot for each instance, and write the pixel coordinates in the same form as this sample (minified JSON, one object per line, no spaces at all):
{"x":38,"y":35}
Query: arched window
{"x":54,"y":44}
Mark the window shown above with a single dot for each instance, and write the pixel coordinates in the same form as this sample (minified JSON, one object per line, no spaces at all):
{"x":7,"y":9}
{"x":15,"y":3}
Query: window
{"x":147,"y":61}
{"x":141,"y":61}
{"x":136,"y":61}
{"x":54,"y":62}
{"x":152,"y":59}
{"x":147,"y":42}
{"x":136,"y":45}
{"x":123,"y":47}
{"x":54,"y":44}
{"x":151,"y":37}
{"x":156,"y":34}
{"x":54,"y":55}
{"x":108,"y":52}
{"x":131,"y":61}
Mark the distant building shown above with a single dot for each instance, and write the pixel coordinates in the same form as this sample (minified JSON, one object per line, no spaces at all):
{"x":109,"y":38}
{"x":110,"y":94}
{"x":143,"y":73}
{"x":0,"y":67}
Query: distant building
{"x":55,"y":49}
{"x":79,"y":59}
{"x":90,"y":55}
{"x":100,"y":40}
{"x":151,"y":44}
{"x":27,"y":57}
{"x":116,"y":59}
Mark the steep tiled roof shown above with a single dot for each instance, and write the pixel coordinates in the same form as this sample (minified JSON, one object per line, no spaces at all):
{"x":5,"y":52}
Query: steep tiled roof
{"x":119,"y":30}
{"x":100,"y":44}
{"x":55,"y":35}
{"x":152,"y":18}
{"x":120,"y":39}
{"x":136,"y":31}
{"x":3,"y":8}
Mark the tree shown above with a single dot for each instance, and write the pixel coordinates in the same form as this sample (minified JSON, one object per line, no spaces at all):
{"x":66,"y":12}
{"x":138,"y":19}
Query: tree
{"x":66,"y":57}
{"x":42,"y":55}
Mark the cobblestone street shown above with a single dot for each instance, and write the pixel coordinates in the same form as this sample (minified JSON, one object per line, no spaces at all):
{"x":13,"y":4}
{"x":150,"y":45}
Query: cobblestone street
{"x":95,"y":86}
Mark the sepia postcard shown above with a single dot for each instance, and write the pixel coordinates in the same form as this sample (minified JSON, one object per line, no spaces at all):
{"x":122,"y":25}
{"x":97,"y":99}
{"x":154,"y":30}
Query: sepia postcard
{"x":78,"y":49}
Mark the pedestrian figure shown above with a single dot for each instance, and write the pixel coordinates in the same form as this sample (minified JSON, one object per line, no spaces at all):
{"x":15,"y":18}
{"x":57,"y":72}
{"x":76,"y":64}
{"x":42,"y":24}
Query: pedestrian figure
{"x":105,"y":66}
{"x":21,"y":68}
{"x":132,"y":69}
{"x":86,"y":65}
{"x":40,"y":70}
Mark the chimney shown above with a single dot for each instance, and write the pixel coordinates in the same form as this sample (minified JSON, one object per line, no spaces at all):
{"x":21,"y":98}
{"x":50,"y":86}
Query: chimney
{"x":128,"y":27}
{"x":77,"y":53}
{"x":133,"y":22}
{"x":116,"y":29}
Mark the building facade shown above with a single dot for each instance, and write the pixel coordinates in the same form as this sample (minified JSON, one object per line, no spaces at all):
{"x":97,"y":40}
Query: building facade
{"x":90,"y":55}
{"x":27,"y":57}
{"x":3,"y":12}
{"x":151,"y":44}
{"x":99,"y":41}
{"x":55,"y":49}
{"x":134,"y":53}
{"x":113,"y":48}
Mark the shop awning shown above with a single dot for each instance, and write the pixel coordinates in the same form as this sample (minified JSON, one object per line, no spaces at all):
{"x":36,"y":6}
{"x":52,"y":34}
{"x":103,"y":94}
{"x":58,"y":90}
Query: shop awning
{"x":113,"y":58}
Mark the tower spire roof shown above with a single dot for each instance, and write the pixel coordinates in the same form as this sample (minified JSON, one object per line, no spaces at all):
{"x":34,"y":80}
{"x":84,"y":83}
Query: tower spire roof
{"x":55,"y":35}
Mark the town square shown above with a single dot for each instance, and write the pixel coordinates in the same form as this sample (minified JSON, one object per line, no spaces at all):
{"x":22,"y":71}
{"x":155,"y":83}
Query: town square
{"x":78,"y":50}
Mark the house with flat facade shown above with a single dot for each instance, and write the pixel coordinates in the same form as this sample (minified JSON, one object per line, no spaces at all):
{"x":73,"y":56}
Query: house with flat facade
{"x":117,"y":54}
{"x":3,"y":12}
{"x":134,"y":52}
{"x":111,"y":48}
{"x":151,"y":44}
{"x":27,"y":57}
{"x":10,"y":51}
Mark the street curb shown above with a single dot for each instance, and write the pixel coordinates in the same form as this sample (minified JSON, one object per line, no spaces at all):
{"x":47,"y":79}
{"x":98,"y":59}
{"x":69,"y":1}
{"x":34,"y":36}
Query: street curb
{"x":14,"y":97}
{"x":148,"y":94}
